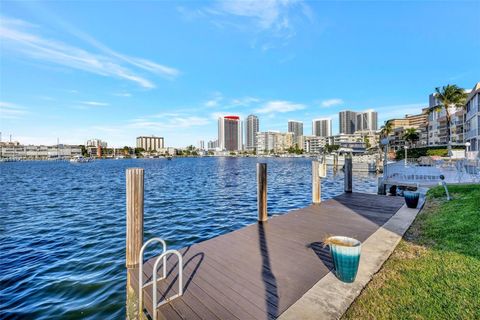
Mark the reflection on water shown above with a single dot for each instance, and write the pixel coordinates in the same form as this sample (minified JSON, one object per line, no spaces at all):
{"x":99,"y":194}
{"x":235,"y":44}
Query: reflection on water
{"x":62,"y":232}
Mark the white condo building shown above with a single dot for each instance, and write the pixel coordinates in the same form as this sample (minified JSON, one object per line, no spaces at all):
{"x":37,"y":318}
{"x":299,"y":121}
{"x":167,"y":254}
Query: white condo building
{"x":252,"y":126}
{"x":151,"y":143}
{"x":296,"y":127}
{"x":472,"y":119}
{"x":366,"y":121}
{"x":322,"y":127}
{"x":274,"y":141}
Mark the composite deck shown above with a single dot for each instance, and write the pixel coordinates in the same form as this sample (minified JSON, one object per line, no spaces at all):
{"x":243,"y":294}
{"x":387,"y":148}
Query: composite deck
{"x":257,"y":272}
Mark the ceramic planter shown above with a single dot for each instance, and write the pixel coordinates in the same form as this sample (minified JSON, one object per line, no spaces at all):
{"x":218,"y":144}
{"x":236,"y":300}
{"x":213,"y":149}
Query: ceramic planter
{"x":411,"y":198}
{"x":345,"y":257}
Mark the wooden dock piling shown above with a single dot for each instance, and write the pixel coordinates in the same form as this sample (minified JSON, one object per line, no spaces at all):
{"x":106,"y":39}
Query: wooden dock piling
{"x":316,"y":185}
{"x":262,"y":192}
{"x":135,"y":194}
{"x":348,"y":168}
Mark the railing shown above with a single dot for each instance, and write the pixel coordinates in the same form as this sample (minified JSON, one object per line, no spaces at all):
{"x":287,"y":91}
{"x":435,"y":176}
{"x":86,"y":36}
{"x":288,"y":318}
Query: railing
{"x":180,"y":280}
{"x":460,"y":171}
{"x":163,"y":258}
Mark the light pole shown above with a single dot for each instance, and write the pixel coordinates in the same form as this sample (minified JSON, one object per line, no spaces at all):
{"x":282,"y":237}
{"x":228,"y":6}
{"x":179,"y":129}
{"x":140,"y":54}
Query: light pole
{"x":467,"y":148}
{"x":385,"y":142}
{"x":406,"y":147}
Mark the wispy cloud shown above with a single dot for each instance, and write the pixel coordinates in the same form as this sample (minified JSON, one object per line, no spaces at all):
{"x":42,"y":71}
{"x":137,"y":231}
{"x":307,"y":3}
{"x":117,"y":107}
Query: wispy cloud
{"x":331,"y":102}
{"x":266,"y":19}
{"x":280,"y":107}
{"x":173,"y":123}
{"x":243,"y":102}
{"x":123,"y":94}
{"x":95,"y":103}
{"x":11,"y":111}
{"x":19,"y":36}
{"x":214,"y":101}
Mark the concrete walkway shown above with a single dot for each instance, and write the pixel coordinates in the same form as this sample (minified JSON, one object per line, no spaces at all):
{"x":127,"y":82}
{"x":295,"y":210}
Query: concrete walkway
{"x":329,"y":298}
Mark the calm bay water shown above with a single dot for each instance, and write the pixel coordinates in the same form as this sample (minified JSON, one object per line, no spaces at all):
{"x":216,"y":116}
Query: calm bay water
{"x":62,"y":225}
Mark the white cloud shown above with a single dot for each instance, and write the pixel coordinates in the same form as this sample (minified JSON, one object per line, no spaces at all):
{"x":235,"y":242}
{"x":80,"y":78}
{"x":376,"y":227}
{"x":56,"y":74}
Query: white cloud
{"x":331,"y":102}
{"x":123,"y":94}
{"x":95,"y":103}
{"x":268,"y":20}
{"x":215,"y":101}
{"x":266,"y":14}
{"x":245,"y":101}
{"x":173,"y":121}
{"x":280,"y":106}
{"x":19,"y":38}
{"x":11,"y":111}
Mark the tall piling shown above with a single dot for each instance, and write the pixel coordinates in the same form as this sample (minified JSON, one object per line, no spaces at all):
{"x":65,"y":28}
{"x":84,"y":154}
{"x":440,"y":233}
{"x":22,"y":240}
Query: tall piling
{"x":134,"y":235}
{"x":348,"y":168}
{"x":316,"y":183}
{"x":262,"y":192}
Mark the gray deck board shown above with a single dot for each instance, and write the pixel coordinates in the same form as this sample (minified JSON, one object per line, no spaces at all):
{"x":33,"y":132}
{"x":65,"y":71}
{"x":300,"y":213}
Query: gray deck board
{"x":259,"y":271}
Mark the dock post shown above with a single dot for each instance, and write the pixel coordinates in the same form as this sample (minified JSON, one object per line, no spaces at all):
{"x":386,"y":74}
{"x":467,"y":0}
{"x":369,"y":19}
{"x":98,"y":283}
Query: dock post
{"x":316,"y":186}
{"x":135,"y":183}
{"x":262,"y":192}
{"x":335,"y":162}
{"x":348,"y":172}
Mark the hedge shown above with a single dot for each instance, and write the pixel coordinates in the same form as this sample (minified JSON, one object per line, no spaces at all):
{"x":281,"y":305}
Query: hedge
{"x":441,"y":151}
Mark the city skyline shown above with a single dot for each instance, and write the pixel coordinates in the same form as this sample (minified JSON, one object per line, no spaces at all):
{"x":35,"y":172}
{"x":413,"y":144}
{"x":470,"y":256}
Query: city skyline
{"x":69,"y":72}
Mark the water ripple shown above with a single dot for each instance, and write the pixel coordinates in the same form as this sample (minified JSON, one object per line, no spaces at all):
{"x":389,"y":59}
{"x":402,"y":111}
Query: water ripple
{"x":62,"y":231}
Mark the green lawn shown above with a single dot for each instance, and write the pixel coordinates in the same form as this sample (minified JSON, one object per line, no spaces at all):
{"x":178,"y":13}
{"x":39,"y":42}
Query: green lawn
{"x":434,"y":273}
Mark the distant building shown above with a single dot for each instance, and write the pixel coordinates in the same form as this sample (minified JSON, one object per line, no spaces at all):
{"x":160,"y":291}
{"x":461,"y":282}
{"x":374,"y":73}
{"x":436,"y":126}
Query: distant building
{"x":472,"y":119}
{"x":272,"y":141}
{"x":151,"y":143}
{"x":201,"y":145}
{"x":399,"y":127}
{"x":314,"y":144}
{"x":296,"y":127}
{"x":19,"y":151}
{"x":252,"y":126}
{"x":96,"y":143}
{"x":212,"y":145}
{"x":437,"y":123}
{"x":347,"y":121}
{"x":322,"y":127}
{"x":230,"y":133}
{"x":366,"y":121}
{"x":352,"y":142}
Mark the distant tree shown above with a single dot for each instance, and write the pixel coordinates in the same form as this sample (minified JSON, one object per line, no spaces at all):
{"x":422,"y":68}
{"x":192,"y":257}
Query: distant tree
{"x":84,"y":151}
{"x":330,"y":148}
{"x":367,"y":142}
{"x":387,"y":129}
{"x":411,"y":135}
{"x":449,"y":96}
{"x":138,"y":151}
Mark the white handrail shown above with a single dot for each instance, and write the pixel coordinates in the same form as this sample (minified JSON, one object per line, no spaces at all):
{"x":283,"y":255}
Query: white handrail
{"x":180,"y":280}
{"x":141,"y":285}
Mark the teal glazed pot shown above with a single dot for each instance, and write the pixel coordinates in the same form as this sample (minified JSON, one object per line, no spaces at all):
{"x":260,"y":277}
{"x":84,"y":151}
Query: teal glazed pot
{"x":411,"y":198}
{"x":345,"y":258}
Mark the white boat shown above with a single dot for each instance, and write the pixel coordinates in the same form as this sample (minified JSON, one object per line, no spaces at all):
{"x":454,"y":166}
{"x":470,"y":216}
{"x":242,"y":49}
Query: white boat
{"x":80,"y":159}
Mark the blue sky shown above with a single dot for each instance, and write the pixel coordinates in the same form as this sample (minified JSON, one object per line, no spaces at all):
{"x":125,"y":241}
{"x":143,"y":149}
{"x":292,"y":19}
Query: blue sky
{"x":116,"y":69}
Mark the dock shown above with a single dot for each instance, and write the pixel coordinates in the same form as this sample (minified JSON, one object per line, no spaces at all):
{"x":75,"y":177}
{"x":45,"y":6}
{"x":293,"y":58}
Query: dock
{"x":261,"y":270}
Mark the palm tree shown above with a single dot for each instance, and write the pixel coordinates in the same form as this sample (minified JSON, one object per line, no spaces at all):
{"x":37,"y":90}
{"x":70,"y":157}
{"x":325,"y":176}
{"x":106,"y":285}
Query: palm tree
{"x":410,"y":135}
{"x":449,"y":97}
{"x":387,"y":129}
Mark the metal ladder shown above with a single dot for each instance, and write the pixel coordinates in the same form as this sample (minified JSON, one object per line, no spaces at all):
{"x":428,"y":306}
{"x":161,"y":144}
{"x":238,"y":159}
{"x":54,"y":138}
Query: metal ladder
{"x":162,"y":257}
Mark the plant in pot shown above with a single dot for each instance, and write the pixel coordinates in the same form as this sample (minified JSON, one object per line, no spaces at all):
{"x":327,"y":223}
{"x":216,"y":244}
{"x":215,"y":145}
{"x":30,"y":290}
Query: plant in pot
{"x":411,"y":197}
{"x":345,"y":252}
